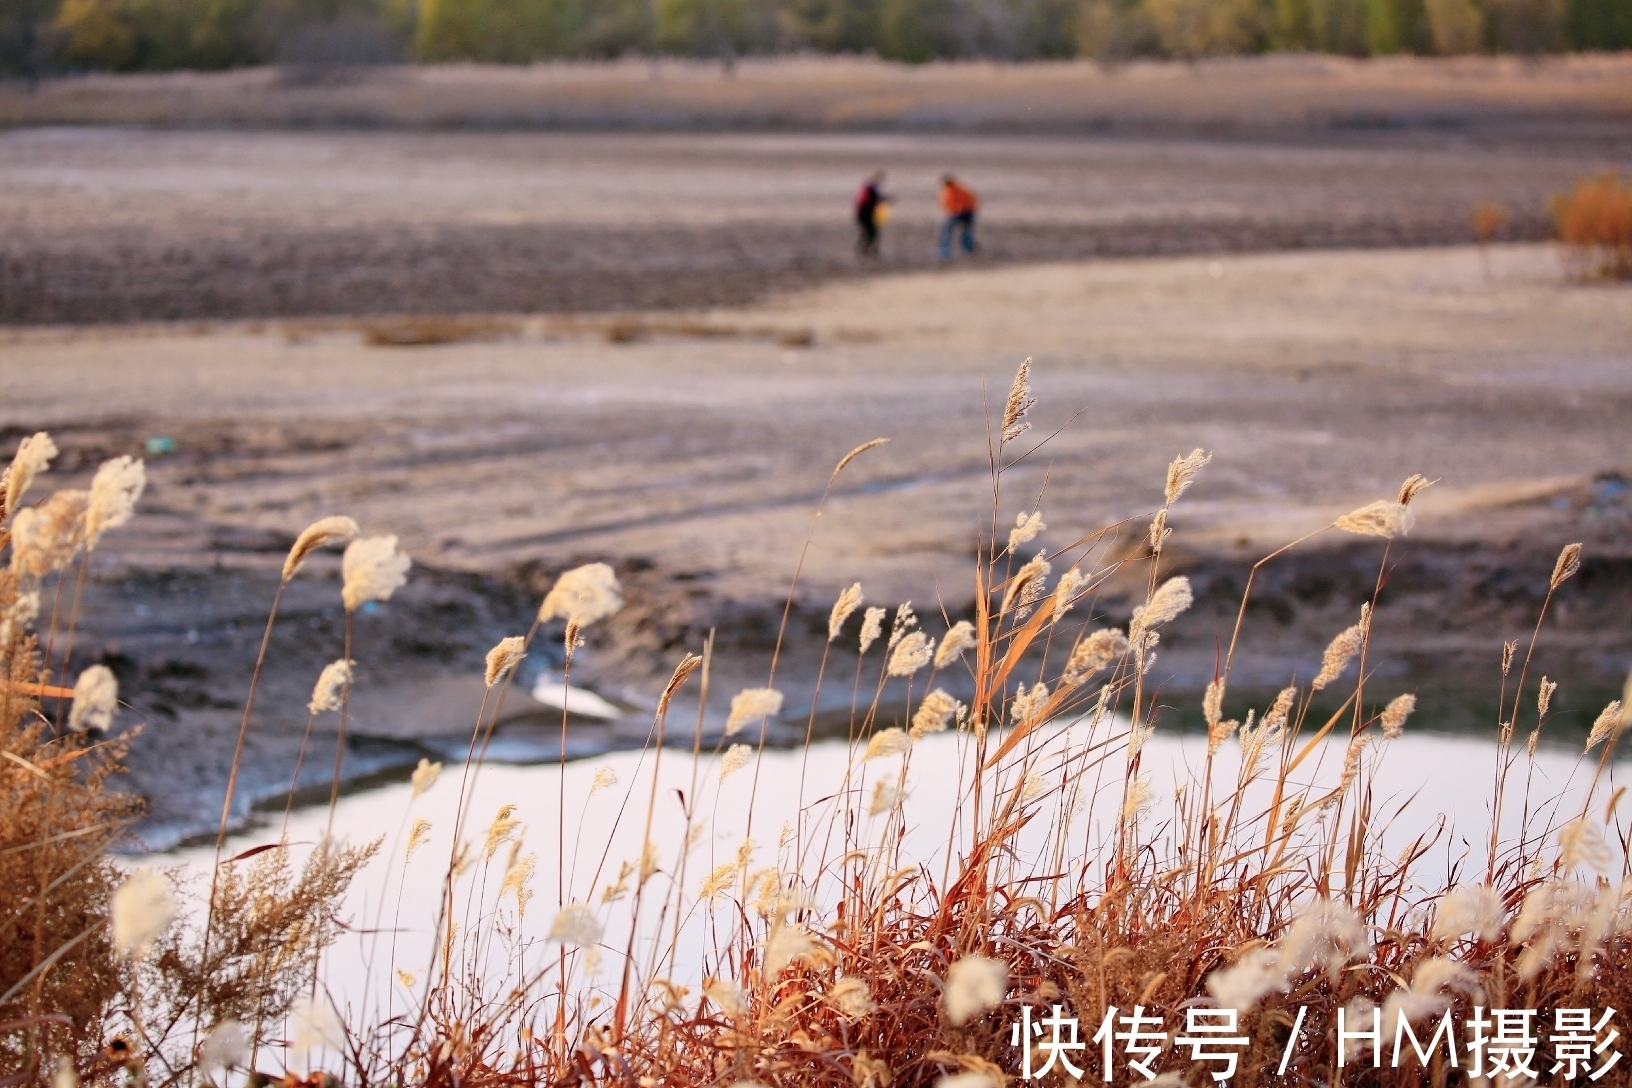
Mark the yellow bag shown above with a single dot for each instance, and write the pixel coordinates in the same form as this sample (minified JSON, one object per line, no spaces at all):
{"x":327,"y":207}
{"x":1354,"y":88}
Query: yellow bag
{"x":881,"y":214}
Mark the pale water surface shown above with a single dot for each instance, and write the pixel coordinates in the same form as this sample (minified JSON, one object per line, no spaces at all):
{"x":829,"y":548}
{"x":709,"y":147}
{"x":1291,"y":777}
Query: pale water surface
{"x":1421,"y":782}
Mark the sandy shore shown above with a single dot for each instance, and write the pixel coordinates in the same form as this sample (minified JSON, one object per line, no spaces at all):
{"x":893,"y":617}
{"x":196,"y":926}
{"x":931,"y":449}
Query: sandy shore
{"x":689,"y":449}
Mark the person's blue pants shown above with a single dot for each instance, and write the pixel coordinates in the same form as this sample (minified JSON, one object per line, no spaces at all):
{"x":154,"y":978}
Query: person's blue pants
{"x":956,"y":223}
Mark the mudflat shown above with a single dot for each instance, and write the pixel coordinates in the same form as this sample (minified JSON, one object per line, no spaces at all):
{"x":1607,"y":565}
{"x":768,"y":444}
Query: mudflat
{"x":689,"y":449}
{"x":108,"y":224}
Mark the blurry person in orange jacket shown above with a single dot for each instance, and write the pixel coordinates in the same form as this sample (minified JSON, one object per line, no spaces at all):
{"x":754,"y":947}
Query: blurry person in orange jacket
{"x":959,"y":203}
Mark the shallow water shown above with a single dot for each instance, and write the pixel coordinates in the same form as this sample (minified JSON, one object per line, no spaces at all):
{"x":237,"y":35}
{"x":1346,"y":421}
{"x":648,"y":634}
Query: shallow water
{"x":1419,"y":782}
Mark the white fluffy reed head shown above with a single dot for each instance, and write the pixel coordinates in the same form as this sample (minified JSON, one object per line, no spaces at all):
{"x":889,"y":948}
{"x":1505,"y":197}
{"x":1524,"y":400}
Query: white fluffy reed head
{"x":1159,"y":532}
{"x":959,"y":638}
{"x":320,"y":533}
{"x":912,"y":653}
{"x":24,"y":610}
{"x":975,"y":1078}
{"x":785,"y":945}
{"x":933,"y":713}
{"x":1414,"y":485}
{"x":752,"y":704}
{"x":499,"y":831}
{"x":872,"y":625}
{"x":1170,"y":599}
{"x":418,"y":836}
{"x":1544,"y":696}
{"x":1395,"y":714}
{"x":886,"y":795}
{"x":1568,"y":562}
{"x":1381,"y":518}
{"x":225,"y":1047}
{"x":316,"y":1025}
{"x":905,"y":620}
{"x":1326,"y":934}
{"x":1212,"y":702}
{"x":583,"y":596}
{"x":142,"y":907}
{"x":330,"y":688}
{"x":576,"y":925}
{"x":1019,"y":403}
{"x":516,"y":880}
{"x":1276,"y":716}
{"x":33,"y":457}
{"x":717,"y":882}
{"x":1136,"y":800}
{"x":504,"y":657}
{"x":1351,"y":760}
{"x":96,"y":698}
{"x":887,"y":742}
{"x":1607,"y":725}
{"x":1470,"y":908}
{"x":1026,"y":587}
{"x":372,"y":569}
{"x":425,"y":776}
{"x":735,"y":759}
{"x":114,"y":491}
{"x":1580,"y":843}
{"x":1340,"y":652}
{"x":973,"y":985}
{"x":727,"y":995}
{"x":1028,"y":702}
{"x":45,"y":539}
{"x":1065,"y":592}
{"x":848,"y":602}
{"x":1093,"y":653}
{"x":852,"y":997}
{"x":1219,"y":732}
{"x":1026,"y":528}
{"x":1182,"y":473}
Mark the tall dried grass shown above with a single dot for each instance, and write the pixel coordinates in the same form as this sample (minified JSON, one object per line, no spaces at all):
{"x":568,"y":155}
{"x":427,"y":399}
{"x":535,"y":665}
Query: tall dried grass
{"x":845,"y":961}
{"x":1594,"y":222}
{"x":98,"y":980}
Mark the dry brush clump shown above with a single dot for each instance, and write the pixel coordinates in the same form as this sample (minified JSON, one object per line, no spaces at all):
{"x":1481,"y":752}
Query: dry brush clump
{"x":100,"y":979}
{"x":830,"y":954}
{"x":1594,"y":221}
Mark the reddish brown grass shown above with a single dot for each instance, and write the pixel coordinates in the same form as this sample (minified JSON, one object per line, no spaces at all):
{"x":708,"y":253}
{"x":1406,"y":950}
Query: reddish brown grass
{"x":1594,"y":222}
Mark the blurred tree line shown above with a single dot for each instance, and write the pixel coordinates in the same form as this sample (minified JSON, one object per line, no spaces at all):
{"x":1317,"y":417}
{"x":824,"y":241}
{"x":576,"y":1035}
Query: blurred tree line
{"x":43,"y":36}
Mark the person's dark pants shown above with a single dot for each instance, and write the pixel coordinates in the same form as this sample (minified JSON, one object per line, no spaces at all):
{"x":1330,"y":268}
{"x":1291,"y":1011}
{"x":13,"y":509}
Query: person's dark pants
{"x":964,"y":222}
{"x":867,"y":243}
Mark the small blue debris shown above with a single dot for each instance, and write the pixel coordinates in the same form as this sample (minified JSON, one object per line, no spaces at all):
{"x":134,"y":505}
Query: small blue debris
{"x":370,"y":607}
{"x":160,"y":444}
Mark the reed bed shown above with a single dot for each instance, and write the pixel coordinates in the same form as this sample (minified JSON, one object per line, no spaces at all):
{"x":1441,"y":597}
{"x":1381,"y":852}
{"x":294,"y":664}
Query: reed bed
{"x":829,"y":954}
